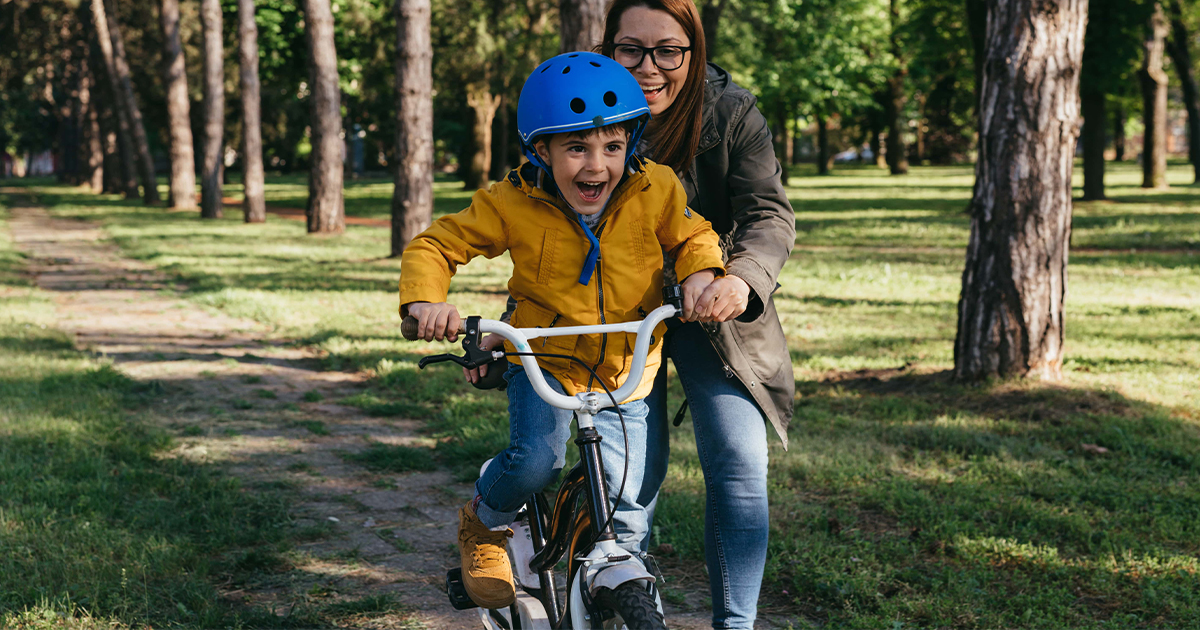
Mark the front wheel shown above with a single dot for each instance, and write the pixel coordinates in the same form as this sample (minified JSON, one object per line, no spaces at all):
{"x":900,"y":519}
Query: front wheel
{"x":633,"y":606}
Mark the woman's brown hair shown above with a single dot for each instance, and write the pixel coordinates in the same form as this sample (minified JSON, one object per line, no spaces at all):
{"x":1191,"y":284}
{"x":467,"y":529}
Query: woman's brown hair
{"x":677,"y":131}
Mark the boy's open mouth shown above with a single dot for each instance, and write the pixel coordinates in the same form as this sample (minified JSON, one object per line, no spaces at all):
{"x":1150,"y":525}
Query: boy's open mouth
{"x":590,"y":191}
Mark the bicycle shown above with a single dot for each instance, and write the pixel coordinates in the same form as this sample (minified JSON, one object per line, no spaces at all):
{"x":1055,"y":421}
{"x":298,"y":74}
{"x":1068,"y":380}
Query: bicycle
{"x":609,"y":588}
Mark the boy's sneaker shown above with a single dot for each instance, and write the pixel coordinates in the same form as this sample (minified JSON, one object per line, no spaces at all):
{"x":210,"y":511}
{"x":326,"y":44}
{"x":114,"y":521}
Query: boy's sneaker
{"x":486,"y":571}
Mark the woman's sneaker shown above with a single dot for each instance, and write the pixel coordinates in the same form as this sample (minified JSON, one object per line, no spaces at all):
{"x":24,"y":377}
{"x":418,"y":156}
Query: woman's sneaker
{"x":486,"y":571}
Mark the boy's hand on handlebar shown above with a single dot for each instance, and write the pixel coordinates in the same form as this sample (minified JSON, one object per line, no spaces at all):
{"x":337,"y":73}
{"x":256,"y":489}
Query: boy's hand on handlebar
{"x":722,"y":300}
{"x":693,"y":288}
{"x":487,"y":343}
{"x":436,"y":320}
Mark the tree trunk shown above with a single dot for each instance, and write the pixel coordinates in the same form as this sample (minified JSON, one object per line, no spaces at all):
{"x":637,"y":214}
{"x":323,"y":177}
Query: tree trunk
{"x":325,"y":210}
{"x":1154,"y":102}
{"x":897,"y":158}
{"x":480,"y":99}
{"x":111,"y":169}
{"x":1010,"y":313}
{"x":412,"y":198}
{"x":783,"y":143}
{"x":710,"y":19}
{"x":254,"y":205}
{"x":128,"y":160}
{"x":1181,"y":58}
{"x":91,"y":150}
{"x":1095,"y":128}
{"x":500,"y":140}
{"x":876,"y":149}
{"x":179,"y":106}
{"x":824,"y":159}
{"x":582,"y":24}
{"x":1119,"y":133}
{"x":145,"y":162}
{"x":212,"y":160}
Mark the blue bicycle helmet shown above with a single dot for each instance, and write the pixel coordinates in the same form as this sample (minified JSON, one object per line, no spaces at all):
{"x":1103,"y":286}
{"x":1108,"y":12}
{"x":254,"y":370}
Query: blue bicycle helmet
{"x":576,"y":91}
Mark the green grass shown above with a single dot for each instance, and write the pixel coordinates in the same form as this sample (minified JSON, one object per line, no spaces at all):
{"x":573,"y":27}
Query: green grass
{"x":98,"y":527}
{"x":905,"y":500}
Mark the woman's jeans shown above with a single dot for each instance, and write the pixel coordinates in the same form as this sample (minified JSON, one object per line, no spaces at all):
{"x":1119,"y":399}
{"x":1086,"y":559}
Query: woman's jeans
{"x":731,"y":440}
{"x":536,"y":454}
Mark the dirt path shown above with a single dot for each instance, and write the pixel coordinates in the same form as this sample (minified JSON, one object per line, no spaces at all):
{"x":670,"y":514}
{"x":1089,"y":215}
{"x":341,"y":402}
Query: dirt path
{"x":257,"y":405}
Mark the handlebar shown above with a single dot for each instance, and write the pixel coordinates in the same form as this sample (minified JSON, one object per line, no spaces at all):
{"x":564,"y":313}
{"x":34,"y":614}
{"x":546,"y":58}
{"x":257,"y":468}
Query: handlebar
{"x":519,"y":337}
{"x":408,"y":328}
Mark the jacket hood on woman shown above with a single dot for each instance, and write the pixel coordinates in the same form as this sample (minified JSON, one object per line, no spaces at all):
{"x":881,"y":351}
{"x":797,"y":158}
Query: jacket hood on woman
{"x":734,"y":183}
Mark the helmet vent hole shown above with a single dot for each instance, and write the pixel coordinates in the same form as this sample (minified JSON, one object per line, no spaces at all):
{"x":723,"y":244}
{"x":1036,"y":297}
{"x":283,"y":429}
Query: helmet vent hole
{"x":567,"y":69}
{"x":547,"y":67}
{"x":594,"y":64}
{"x":577,"y":105}
{"x":573,"y":56}
{"x":610,"y":99}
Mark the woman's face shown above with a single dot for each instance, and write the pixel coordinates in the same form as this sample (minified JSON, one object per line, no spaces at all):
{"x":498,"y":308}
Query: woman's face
{"x":651,"y":28}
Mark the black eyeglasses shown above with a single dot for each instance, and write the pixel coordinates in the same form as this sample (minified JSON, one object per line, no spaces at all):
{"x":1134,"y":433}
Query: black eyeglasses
{"x":665,"y":57}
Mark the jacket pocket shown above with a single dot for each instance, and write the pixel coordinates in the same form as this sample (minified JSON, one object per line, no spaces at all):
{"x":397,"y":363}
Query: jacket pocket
{"x":530,"y":315}
{"x":549,"y":255}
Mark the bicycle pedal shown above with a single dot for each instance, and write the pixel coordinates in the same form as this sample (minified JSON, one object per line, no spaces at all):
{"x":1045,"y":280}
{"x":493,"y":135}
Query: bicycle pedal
{"x":457,"y":592}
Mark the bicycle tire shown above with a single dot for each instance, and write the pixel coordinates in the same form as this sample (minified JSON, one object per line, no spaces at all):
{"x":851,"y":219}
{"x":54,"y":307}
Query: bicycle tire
{"x":633,"y":605}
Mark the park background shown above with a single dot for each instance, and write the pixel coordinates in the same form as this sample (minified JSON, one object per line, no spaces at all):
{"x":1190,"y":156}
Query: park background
{"x":138,"y":493}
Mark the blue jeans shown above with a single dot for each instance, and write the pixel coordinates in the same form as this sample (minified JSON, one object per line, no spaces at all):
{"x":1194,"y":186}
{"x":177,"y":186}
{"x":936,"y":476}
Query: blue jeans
{"x":536,"y":454}
{"x":731,"y":440}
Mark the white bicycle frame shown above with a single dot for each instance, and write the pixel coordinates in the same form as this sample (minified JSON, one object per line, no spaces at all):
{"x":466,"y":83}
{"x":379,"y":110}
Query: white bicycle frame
{"x":606,"y":565}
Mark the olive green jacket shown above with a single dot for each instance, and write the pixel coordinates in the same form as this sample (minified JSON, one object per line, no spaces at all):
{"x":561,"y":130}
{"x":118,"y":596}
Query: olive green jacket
{"x":734,"y":183}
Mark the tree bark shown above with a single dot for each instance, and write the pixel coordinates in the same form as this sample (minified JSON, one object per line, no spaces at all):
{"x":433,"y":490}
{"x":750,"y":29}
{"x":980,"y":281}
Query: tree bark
{"x":1010,"y":313}
{"x":783,"y":143}
{"x":582,"y":24}
{"x":1181,"y":58}
{"x":212,"y":160}
{"x":1154,"y":102}
{"x":1095,"y":128}
{"x":710,"y":19}
{"x":145,"y":162}
{"x":325,"y":210}
{"x":480,"y":99}
{"x":127,"y":159}
{"x":1119,"y":133}
{"x":824,"y":159}
{"x":254,"y":205}
{"x":412,"y":198}
{"x":179,"y":106}
{"x":897,"y":158}
{"x":92,"y":151}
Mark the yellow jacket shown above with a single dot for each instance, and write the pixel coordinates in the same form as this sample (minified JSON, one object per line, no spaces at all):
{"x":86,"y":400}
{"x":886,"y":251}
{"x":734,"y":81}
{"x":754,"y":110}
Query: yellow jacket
{"x":548,"y":248}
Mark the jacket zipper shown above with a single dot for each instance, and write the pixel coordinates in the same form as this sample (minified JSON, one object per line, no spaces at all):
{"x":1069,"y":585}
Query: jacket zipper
{"x":729,"y":373}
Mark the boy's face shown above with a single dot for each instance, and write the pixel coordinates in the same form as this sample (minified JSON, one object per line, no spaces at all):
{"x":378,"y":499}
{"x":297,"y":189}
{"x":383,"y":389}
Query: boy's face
{"x":586,"y":169}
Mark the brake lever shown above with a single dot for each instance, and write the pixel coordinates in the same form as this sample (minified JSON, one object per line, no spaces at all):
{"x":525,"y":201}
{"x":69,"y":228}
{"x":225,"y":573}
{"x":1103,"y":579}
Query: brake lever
{"x":474,"y":355}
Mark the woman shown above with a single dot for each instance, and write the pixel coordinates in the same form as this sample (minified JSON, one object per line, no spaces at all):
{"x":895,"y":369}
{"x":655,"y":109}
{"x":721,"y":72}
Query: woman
{"x":735,"y":367}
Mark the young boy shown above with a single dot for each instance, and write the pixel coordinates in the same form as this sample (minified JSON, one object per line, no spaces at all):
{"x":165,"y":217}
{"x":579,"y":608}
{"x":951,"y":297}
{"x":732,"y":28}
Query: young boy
{"x":585,"y":224}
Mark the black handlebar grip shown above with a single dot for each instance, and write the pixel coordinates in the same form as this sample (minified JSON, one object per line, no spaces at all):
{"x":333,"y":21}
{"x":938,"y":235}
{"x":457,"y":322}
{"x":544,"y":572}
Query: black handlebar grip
{"x":408,"y":328}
